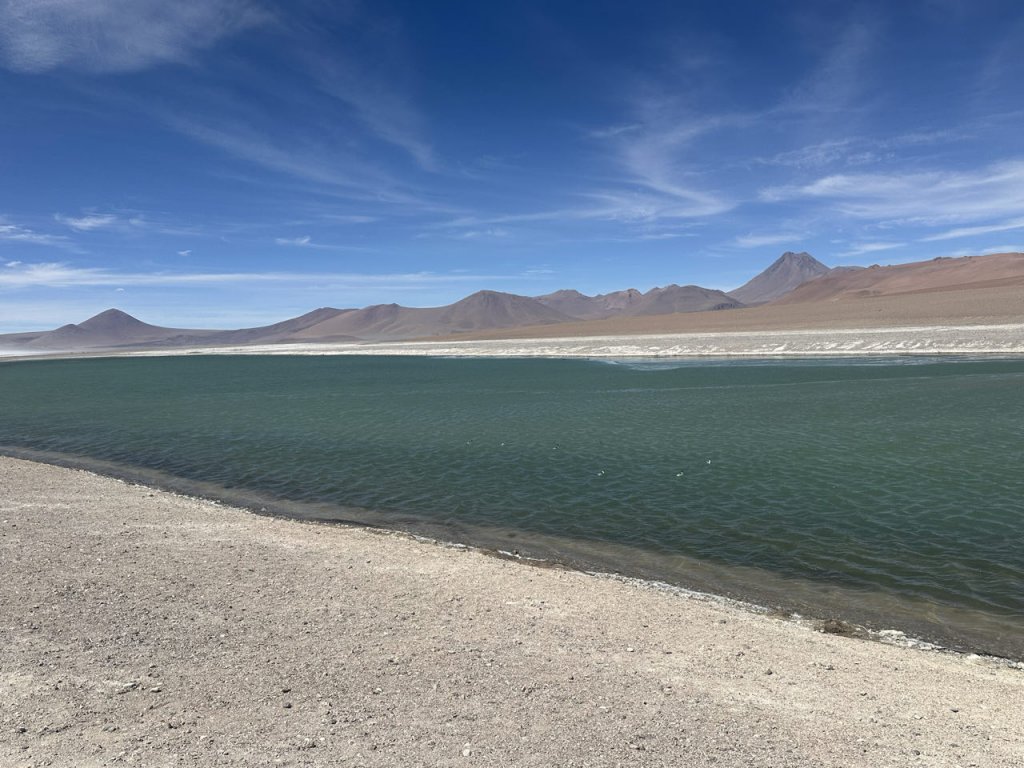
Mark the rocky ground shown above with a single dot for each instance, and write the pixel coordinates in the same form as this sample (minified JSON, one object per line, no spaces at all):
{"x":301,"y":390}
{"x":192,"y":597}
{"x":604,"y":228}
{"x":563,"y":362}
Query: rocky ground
{"x":142,"y":628}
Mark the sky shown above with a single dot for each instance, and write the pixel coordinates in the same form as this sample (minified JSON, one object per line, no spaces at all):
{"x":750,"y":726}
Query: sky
{"x":229,"y":163}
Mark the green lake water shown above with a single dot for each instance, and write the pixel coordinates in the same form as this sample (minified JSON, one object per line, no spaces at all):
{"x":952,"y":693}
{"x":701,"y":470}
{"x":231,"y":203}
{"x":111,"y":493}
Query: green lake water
{"x":889,"y":492}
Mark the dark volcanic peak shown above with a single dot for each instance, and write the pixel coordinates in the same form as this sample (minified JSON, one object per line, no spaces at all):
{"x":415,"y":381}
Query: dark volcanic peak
{"x":789,"y":271}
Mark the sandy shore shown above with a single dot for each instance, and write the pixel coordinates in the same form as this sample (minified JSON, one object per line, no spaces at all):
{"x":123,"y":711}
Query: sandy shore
{"x":142,"y":628}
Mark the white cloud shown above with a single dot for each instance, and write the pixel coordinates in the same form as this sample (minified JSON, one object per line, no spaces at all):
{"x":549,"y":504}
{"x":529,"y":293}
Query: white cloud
{"x":388,"y":114}
{"x":654,"y":158}
{"x":812,"y":156}
{"x":477,"y":234}
{"x":114,"y":35}
{"x":88,"y":222}
{"x":17,"y":234}
{"x":664,"y":235}
{"x":187,"y":252}
{"x":613,"y":131}
{"x":862,"y":248}
{"x":61,"y":275}
{"x":838,"y":81}
{"x":752,"y":240}
{"x":928,"y":197}
{"x":305,"y":240}
{"x":373,"y":80}
{"x":985,"y":229}
{"x":349,"y":218}
{"x":333,"y":167}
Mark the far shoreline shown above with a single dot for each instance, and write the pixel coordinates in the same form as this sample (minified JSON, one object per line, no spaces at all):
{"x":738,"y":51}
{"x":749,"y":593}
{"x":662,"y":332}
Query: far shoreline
{"x":960,"y":340}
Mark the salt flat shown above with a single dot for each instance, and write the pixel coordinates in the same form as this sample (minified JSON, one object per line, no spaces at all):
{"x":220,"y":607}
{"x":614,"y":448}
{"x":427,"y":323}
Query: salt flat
{"x":1005,"y":338}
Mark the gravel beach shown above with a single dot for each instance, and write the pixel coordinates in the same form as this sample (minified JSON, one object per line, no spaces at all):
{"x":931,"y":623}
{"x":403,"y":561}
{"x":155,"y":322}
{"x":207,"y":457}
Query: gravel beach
{"x":138,"y":627}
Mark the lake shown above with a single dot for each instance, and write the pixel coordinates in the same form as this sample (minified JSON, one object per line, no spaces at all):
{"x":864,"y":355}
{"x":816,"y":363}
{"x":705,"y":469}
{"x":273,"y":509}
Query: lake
{"x":884,"y":491}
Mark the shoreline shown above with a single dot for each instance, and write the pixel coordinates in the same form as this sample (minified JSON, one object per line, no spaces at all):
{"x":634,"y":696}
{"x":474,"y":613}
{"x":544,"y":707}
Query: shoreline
{"x":844,"y":612}
{"x":135,"y":616}
{"x":953,"y":339}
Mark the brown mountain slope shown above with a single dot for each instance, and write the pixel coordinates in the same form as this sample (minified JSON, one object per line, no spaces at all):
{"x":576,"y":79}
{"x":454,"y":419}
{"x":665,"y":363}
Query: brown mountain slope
{"x":937,"y":275}
{"x":976,"y":305}
{"x":282,"y":331}
{"x":492,"y":309}
{"x":789,"y":271}
{"x":481,"y":310}
{"x":583,"y":307}
{"x":681,"y":298}
{"x":111,"y":328}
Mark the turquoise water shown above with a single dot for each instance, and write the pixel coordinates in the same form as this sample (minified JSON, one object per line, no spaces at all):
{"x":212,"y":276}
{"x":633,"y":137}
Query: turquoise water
{"x":888,"y":492}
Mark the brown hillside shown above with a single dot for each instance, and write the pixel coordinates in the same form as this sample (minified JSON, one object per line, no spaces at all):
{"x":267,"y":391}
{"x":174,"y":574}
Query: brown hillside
{"x":944,"y":274}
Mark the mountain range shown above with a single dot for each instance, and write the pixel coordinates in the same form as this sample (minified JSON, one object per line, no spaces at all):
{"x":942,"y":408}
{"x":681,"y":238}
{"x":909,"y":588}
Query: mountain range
{"x":793,"y":279}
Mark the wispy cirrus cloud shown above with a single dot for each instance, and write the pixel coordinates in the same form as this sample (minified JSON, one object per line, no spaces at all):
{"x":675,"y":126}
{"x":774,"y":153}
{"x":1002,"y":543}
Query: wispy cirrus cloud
{"x":838,"y":81}
{"x":246,"y":144}
{"x":813,"y":155}
{"x":656,"y":155}
{"x":985,"y":229}
{"x":374,"y":76}
{"x":125,"y":222}
{"x":17,"y":275}
{"x":330,"y":169}
{"x":654,"y":185}
{"x":859,"y":151}
{"x":490,"y":233}
{"x":600,"y":206}
{"x":926,"y":197}
{"x":115,"y":35}
{"x":860,"y":249}
{"x":387,"y":113}
{"x":758,"y":240}
{"x":304,"y":240}
{"x":88,"y":222}
{"x":613,"y":131}
{"x":15,"y":234}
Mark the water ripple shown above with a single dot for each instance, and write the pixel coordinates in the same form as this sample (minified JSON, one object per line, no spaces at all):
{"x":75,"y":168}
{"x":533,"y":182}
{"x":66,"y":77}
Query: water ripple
{"x":897,"y":478}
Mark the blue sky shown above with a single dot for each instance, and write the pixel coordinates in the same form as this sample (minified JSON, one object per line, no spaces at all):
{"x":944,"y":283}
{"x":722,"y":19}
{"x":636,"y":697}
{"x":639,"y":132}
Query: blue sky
{"x":225,"y":163}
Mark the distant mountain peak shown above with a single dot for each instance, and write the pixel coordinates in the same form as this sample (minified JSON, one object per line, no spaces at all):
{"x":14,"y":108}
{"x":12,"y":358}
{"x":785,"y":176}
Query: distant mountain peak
{"x":801,"y":258}
{"x":112,"y":318}
{"x":110,"y":314}
{"x":579,"y":306}
{"x":789,"y":271}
